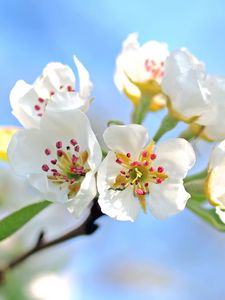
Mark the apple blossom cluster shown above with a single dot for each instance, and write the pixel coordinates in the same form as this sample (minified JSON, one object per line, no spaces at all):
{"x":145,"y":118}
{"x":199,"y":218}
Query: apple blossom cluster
{"x":59,"y":157}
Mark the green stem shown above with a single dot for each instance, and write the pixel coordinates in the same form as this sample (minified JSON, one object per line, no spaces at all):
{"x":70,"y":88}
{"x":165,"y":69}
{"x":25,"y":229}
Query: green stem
{"x":114,"y":122}
{"x":208,"y":215}
{"x":141,"y":110}
{"x":167,"y":124}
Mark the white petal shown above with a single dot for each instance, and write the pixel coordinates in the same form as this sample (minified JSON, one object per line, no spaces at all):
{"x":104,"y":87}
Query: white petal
{"x":55,"y":75}
{"x":84,"y":197}
{"x":126,"y":138}
{"x":26,"y":151}
{"x":23,"y":98}
{"x":213,"y":120}
{"x":177,"y":157}
{"x":218,"y":155}
{"x":120,"y":205}
{"x":123,"y":61}
{"x":167,"y":199}
{"x":15,"y":191}
{"x":66,"y":101}
{"x":84,"y":79}
{"x":184,"y":83}
{"x":107,"y":172}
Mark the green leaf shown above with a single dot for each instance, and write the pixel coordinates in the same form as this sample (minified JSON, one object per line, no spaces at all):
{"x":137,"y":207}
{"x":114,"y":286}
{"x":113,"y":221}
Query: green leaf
{"x":208,"y":215}
{"x":16,"y":220}
{"x":167,"y":124}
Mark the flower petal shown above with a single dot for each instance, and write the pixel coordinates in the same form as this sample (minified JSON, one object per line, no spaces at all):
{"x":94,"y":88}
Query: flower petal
{"x":23,"y":98}
{"x":107,"y":173}
{"x":120,"y":205}
{"x":126,"y":138}
{"x":84,"y":197}
{"x":84,"y":78}
{"x":214,"y":129}
{"x":184,"y":83}
{"x":177,"y":156}
{"x":167,"y":199}
{"x":55,"y":75}
{"x":217,"y":157}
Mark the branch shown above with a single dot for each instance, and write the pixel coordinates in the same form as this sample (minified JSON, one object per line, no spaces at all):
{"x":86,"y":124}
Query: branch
{"x":87,"y":228}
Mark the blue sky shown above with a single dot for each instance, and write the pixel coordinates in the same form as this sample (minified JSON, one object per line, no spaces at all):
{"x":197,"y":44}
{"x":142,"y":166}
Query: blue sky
{"x":188,"y":253}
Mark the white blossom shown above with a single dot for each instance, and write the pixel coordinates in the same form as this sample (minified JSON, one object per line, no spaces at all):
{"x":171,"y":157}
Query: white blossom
{"x":140,"y":64}
{"x":59,"y":159}
{"x":184,"y":83}
{"x":54,"y":90}
{"x":134,"y":176}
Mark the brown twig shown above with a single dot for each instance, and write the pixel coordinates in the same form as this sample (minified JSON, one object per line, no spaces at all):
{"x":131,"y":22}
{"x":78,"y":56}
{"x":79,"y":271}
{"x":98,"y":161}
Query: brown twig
{"x":87,"y":228}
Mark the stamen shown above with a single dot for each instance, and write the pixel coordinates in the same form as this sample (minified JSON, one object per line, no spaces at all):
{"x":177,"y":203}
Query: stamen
{"x":119,"y":161}
{"x":54,"y":161}
{"x":41,"y":100}
{"x":45,"y":168}
{"x":160,"y":169}
{"x":128,"y":155}
{"x":153,"y":156}
{"x":59,"y":153}
{"x":47,"y":151}
{"x":158,"y":180}
{"x":70,"y":88}
{"x":73,"y":142}
{"x":77,"y":148}
{"x":37,"y":107}
{"x":144,"y":154}
{"x":58,"y":144}
{"x":140,"y":192}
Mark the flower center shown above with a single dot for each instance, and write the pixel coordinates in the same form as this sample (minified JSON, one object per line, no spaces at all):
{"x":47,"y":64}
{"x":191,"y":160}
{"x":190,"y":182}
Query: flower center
{"x":139,"y":173}
{"x":154,"y":68}
{"x":66,"y":166}
{"x":40,"y":105}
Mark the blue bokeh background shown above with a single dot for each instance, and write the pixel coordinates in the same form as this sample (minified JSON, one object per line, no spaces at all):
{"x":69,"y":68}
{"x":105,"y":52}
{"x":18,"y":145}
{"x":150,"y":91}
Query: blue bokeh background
{"x":180,"y":258}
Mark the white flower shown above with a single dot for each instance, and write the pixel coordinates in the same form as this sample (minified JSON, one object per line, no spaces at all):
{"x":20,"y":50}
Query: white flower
{"x":15,"y":191}
{"x":60,"y":159}
{"x":184,"y":83}
{"x":213,"y":119}
{"x":132,"y":174}
{"x":53,"y":90}
{"x":140,"y":64}
{"x":215,"y":183}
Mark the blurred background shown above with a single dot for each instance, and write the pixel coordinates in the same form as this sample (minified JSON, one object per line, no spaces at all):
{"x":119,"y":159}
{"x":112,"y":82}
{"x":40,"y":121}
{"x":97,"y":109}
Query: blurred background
{"x":180,"y":258}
